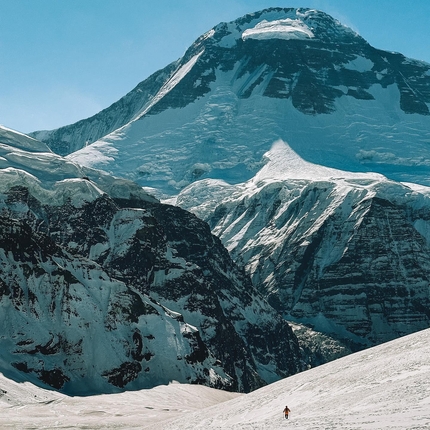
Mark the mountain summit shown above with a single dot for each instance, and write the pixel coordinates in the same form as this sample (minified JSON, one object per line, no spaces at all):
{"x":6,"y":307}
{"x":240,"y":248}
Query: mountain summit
{"x":292,"y":74}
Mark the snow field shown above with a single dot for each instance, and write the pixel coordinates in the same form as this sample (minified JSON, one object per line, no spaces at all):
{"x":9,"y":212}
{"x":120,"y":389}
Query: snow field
{"x":384,"y":387}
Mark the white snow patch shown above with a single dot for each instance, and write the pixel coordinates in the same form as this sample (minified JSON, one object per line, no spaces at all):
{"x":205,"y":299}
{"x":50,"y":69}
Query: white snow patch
{"x":208,"y":34}
{"x":360,"y":64}
{"x":280,"y":29}
{"x":20,"y":140}
{"x":99,"y":153}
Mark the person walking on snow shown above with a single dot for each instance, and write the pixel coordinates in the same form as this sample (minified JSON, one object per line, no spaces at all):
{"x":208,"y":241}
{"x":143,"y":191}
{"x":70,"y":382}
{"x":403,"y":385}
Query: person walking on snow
{"x":286,"y":412}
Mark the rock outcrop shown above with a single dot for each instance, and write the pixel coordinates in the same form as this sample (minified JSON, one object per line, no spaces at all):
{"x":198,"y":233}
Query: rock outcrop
{"x":347,"y":253}
{"x":103,"y":288}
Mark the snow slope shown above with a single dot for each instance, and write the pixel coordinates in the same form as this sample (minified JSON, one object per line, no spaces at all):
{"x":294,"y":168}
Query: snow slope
{"x":385,"y":387}
{"x":224,"y":136}
{"x":53,"y":179}
{"x":25,"y":406}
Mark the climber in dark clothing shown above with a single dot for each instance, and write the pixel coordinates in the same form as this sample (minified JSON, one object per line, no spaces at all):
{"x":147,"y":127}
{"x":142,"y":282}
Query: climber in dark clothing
{"x":286,"y":412}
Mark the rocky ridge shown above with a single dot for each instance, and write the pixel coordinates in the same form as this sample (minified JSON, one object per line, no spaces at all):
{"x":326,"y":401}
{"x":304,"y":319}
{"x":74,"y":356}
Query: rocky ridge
{"x":109,"y":290}
{"x":347,"y":253}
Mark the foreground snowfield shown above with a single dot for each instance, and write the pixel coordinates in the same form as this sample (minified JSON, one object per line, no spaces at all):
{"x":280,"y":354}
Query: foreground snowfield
{"x":25,"y":406}
{"x":385,"y":387}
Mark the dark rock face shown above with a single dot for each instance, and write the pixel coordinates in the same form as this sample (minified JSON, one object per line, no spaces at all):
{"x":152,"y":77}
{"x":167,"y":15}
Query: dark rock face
{"x":311,"y":72}
{"x":66,"y":323}
{"x":379,"y":288}
{"x":107,"y":296}
{"x":354,"y":264}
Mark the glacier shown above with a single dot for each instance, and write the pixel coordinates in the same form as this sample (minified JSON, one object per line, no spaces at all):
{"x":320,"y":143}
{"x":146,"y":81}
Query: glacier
{"x":335,"y":99}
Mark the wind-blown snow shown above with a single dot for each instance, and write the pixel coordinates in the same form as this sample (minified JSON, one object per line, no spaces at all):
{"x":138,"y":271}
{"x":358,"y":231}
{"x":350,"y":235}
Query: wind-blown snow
{"x":279,"y":29}
{"x":173,"y":81}
{"x":385,"y":387}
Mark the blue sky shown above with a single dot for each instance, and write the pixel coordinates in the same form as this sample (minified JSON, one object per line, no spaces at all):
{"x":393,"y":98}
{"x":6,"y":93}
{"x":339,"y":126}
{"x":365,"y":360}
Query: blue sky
{"x":64,"y":60}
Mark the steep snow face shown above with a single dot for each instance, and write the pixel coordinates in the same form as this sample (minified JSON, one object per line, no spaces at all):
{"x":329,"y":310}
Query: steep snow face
{"x":102,"y":288}
{"x":174,"y":80}
{"x":383,"y":388}
{"x":281,"y":162}
{"x":71,"y":138}
{"x":348,"y":253}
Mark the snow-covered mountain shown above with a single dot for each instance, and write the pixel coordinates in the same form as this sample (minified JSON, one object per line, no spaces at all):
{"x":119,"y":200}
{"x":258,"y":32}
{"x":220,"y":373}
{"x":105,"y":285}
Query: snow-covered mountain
{"x":345,"y":252}
{"x":382,"y":388}
{"x":291,"y":74}
{"x":103,"y":288}
{"x":348,"y":253}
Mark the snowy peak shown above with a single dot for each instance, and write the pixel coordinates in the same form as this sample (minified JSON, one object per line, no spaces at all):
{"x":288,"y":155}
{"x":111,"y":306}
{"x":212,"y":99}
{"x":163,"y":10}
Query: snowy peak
{"x":291,"y":74}
{"x":283,"y":23}
{"x":279,"y":29}
{"x":281,"y":162}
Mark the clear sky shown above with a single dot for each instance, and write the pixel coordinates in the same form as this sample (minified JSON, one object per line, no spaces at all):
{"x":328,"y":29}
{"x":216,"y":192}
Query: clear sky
{"x":65,"y":60}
